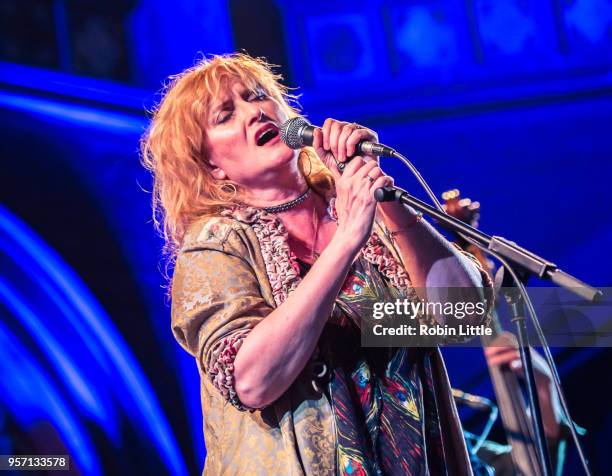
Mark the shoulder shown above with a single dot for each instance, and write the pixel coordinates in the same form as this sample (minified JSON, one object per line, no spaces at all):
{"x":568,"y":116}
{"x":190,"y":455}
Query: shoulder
{"x":211,"y":244}
{"x":228,"y":232}
{"x":207,"y":231}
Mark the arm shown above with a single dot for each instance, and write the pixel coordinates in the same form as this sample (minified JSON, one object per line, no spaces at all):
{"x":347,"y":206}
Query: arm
{"x":251,"y":351}
{"x":429,"y":259}
{"x":439,"y":271}
{"x":276,"y":350}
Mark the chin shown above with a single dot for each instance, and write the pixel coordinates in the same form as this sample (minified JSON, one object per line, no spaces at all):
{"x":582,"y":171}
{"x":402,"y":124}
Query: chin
{"x":283,"y":155}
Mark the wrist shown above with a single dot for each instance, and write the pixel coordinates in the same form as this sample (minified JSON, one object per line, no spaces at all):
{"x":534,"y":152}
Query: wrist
{"x":406,"y":226}
{"x":347,"y":240}
{"x":394,"y":212}
{"x":398,"y":217}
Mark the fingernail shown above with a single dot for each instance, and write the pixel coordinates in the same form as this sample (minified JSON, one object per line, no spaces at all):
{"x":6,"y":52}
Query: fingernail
{"x":515,"y":364}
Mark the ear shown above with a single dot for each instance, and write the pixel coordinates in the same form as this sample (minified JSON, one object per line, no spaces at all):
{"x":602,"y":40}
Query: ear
{"x":218,"y":173}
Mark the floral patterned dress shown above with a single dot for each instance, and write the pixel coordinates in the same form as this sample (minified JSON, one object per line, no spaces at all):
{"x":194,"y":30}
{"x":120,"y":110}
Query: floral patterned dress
{"x":383,"y":398}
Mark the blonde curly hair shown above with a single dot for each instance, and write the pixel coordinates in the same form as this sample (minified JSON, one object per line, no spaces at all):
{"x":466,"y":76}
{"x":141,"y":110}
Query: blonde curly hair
{"x":173,"y":147}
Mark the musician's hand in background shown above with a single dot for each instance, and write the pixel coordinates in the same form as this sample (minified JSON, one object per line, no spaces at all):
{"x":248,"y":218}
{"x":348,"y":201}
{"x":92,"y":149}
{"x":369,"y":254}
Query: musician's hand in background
{"x":503,"y":351}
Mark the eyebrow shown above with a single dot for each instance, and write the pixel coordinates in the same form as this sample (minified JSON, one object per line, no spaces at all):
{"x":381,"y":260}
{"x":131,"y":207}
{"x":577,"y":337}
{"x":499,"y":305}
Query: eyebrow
{"x":221,"y":105}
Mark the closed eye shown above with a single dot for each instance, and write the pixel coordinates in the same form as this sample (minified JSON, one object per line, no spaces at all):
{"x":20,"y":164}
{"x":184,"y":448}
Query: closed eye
{"x":257,"y":95}
{"x":227,"y":112}
{"x":225,"y":115}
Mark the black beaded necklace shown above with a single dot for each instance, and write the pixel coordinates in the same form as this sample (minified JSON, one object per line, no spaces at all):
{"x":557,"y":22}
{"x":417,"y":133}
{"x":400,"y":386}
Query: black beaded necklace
{"x":288,"y":205}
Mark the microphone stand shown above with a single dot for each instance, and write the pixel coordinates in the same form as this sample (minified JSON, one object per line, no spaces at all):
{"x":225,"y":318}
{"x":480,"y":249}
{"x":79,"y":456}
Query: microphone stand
{"x":528,"y":263}
{"x":515,"y":300}
{"x":525,"y":260}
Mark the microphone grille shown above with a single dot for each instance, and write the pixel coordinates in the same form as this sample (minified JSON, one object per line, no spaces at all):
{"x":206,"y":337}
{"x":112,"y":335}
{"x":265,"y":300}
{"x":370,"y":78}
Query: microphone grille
{"x":291,"y":132}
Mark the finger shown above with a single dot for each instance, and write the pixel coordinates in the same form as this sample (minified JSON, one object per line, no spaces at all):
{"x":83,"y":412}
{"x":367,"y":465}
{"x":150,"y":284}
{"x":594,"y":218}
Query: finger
{"x":367,"y":169}
{"x":357,"y":135}
{"x":326,"y":132}
{"x":334,"y":135}
{"x":380,"y":182}
{"x":346,"y":131}
{"x":504,"y":359}
{"x":491,"y":351}
{"x":323,"y":155}
{"x":496,"y":351}
{"x":499,"y":363}
{"x":317,"y":142}
{"x":353,"y":167}
{"x":375,"y":172}
{"x":517,"y":366}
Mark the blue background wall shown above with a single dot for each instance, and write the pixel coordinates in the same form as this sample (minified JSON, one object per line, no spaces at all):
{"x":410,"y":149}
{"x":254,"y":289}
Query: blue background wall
{"x":510,"y":101}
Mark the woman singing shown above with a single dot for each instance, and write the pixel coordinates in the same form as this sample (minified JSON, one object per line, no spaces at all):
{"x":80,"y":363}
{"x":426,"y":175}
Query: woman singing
{"x":279,"y":258}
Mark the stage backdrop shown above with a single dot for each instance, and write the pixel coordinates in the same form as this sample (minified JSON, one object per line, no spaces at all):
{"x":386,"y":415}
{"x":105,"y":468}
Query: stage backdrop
{"x":509,"y":101}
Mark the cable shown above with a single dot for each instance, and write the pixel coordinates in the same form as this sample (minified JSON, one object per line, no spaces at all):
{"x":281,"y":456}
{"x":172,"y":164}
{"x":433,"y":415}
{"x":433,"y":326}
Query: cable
{"x":487,"y":429}
{"x":526,"y":299}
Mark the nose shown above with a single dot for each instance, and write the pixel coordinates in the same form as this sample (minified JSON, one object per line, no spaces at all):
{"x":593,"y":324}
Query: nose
{"x":254,"y":113}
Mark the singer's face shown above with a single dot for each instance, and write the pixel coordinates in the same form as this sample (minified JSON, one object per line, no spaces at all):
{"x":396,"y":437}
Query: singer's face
{"x":242,"y":136}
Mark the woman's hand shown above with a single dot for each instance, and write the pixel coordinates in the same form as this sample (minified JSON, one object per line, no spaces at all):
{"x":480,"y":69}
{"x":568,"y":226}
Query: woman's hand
{"x":355,"y":203}
{"x":340,"y":140}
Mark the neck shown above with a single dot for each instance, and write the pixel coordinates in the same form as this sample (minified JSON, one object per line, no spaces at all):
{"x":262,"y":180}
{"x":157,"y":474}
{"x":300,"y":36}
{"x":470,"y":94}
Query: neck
{"x":308,"y":227}
{"x":283,"y":188}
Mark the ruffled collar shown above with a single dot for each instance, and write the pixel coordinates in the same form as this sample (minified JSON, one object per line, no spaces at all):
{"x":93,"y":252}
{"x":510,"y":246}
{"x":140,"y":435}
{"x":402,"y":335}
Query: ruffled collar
{"x":281,"y":263}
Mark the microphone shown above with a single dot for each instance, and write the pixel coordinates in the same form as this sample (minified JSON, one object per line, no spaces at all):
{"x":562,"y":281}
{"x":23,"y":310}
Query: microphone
{"x":298,"y":133}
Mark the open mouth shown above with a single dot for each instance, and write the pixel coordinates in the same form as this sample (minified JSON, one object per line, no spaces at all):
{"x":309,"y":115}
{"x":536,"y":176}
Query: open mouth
{"x":267,"y":135}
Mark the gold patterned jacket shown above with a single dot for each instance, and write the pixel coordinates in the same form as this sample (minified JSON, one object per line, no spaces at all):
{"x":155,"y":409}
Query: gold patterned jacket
{"x":230,"y":273}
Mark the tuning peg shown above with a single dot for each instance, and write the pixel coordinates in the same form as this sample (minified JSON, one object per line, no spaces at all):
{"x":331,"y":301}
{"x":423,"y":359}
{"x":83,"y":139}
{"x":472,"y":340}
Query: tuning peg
{"x":451,"y":194}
